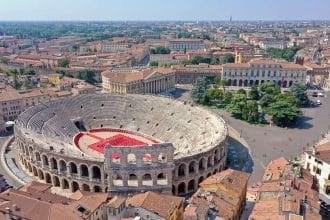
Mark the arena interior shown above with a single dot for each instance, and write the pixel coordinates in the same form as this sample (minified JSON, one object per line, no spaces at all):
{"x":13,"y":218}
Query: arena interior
{"x":121,"y":143}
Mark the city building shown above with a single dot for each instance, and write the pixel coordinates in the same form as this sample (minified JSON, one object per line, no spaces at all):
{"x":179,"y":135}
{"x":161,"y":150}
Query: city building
{"x":35,"y":201}
{"x":188,"y":74}
{"x":223,"y":193}
{"x":258,"y":71}
{"x":138,"y":81}
{"x":317,"y":163}
{"x":186,"y":44}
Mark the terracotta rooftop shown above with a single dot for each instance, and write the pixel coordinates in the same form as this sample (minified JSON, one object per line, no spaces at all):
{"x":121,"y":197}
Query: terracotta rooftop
{"x":164,"y":205}
{"x":233,"y":179}
{"x":275,"y":169}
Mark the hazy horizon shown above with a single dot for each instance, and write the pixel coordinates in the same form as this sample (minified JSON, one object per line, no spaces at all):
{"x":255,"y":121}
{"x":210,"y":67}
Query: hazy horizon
{"x":170,"y":10}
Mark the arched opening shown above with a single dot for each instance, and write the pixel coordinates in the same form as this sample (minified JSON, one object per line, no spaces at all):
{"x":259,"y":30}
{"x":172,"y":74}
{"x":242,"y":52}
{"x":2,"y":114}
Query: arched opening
{"x":117,"y":180}
{"x":173,"y":189}
{"x":246,"y":82}
{"x":62,"y":166}
{"x":86,"y":188}
{"x":208,"y":175}
{"x":41,"y":174}
{"x":256,"y":83}
{"x":235,"y":82}
{"x":45,"y":160}
{"x":131,"y":158}
{"x":73,"y":168}
{"x":74,"y":186}
{"x":48,"y":178}
{"x":240,"y":82}
{"x":201,"y":165}
{"x":30,"y":168}
{"x":215,"y":171}
{"x":262,"y":81}
{"x":38,"y":158}
{"x":161,"y":179}
{"x":182,"y":188}
{"x":35,"y":171}
{"x":251,"y":83}
{"x":115,"y":158}
{"x":216,"y":156}
{"x":56,"y":181}
{"x":147,"y":158}
{"x":192,"y":167}
{"x":96,"y":172}
{"x":181,"y":170}
{"x":53,"y":163}
{"x":146,"y":180}
{"x":65,"y":184}
{"x":279,"y":83}
{"x":290,"y":83}
{"x":200,"y":179}
{"x":84,"y":170}
{"x":132,"y":180}
{"x":97,"y":189}
{"x":209,"y":161}
{"x":161,"y":158}
{"x":284,"y":84}
{"x":191,"y":185}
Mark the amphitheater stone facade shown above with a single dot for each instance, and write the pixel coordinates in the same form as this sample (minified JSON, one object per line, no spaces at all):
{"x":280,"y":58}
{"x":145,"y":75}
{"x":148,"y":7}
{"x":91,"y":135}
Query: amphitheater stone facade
{"x":187,"y":144}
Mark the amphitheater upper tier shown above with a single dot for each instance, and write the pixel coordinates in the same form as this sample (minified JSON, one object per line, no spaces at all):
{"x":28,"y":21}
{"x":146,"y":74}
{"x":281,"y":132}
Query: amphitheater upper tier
{"x":148,"y":119}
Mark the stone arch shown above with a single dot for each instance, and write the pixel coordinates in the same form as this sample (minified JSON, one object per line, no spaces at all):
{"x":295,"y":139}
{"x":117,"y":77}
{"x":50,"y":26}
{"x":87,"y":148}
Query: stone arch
{"x":201,"y":164}
{"x":215,"y":171}
{"x":173,"y":189}
{"x":240,"y":82}
{"x":96,"y":171}
{"x":132,"y":180}
{"x":131,"y":158}
{"x":200,"y":179}
{"x":48,"y":178}
{"x":97,"y":188}
{"x":29,"y":167}
{"x":290,"y":83}
{"x":284,"y":84}
{"x":210,"y":161}
{"x":41,"y":174}
{"x":256,"y":83}
{"x":53,"y":163}
{"x":147,"y":158}
{"x":182,"y":188}
{"x":209,"y":174}
{"x":45,"y":161}
{"x":191,"y":185}
{"x":182,"y":170}
{"x":161,"y":179}
{"x":147,"y":180}
{"x":37,"y":154}
{"x":162,"y":158}
{"x":86,"y":188}
{"x":117,"y":180}
{"x":74,"y":186}
{"x":65,"y":184}
{"x":63,"y":167}
{"x":73,"y":168}
{"x":246,"y":82}
{"x":235,"y":82}
{"x":56,"y":181}
{"x":84,"y":170}
{"x":192,"y":166}
{"x":35,"y":171}
{"x":251,"y":83}
{"x":217,"y":156}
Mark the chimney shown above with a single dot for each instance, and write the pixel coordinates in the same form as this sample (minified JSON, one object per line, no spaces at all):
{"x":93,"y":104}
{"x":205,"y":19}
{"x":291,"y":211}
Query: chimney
{"x":314,"y":150}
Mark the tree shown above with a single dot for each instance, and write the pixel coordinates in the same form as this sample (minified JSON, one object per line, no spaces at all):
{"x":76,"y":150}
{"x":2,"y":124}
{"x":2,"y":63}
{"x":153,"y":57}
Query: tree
{"x":284,"y":113}
{"x":89,"y":76}
{"x":153,"y":63}
{"x":64,"y":63}
{"x":270,"y":88}
{"x":160,"y":50}
{"x":213,"y":96}
{"x":199,"y":90}
{"x":16,"y":83}
{"x":228,"y":59}
{"x":4,"y":60}
{"x":299,"y":91}
{"x":224,"y":83}
{"x":254,"y":93}
{"x":238,"y":106}
{"x":266,"y":100}
{"x":253,"y":111}
{"x":241,"y":91}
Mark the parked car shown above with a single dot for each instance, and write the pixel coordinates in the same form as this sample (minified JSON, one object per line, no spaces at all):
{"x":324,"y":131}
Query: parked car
{"x":318,"y":102}
{"x":320,"y":94}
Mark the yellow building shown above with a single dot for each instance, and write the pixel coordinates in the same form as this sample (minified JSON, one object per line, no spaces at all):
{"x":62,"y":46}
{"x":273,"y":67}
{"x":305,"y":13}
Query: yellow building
{"x":138,"y":81}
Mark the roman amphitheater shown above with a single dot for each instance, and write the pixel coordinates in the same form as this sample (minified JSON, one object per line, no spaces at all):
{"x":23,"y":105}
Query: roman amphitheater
{"x":120,"y":144}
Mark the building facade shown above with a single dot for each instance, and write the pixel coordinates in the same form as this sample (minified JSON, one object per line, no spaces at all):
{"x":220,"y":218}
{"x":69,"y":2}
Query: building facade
{"x":141,"y":81}
{"x":190,"y":73}
{"x":186,"y":44}
{"x":255,"y":72}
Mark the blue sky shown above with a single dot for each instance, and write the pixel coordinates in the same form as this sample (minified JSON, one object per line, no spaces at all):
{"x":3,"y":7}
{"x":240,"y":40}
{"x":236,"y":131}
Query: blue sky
{"x":164,"y":9}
